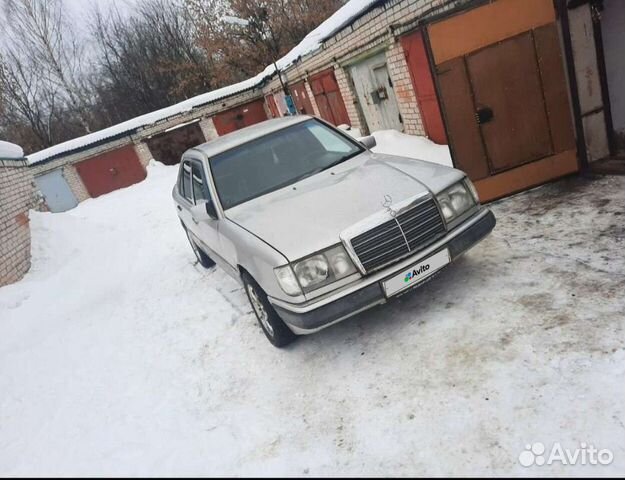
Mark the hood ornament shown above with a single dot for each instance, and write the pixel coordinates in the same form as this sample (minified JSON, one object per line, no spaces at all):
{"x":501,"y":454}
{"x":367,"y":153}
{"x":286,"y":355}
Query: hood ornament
{"x":388,"y":201}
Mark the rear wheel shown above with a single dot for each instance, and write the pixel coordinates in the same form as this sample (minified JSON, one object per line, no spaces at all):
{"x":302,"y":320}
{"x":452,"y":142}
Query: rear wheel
{"x":274,"y":328}
{"x":202,"y":258}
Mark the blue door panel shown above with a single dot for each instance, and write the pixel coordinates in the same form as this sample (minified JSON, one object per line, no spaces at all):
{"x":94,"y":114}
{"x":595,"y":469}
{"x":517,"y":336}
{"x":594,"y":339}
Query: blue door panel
{"x":58,"y":196}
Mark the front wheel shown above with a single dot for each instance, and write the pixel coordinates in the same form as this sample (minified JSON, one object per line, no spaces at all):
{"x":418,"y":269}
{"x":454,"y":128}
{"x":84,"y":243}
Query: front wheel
{"x":274,"y":328}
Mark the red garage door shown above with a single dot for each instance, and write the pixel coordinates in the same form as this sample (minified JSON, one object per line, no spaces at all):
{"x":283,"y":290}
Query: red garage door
{"x":273,"y":108}
{"x":423,"y":84}
{"x":111,"y":171}
{"x":239,"y":117}
{"x":328,"y":96}
{"x":300,"y":97}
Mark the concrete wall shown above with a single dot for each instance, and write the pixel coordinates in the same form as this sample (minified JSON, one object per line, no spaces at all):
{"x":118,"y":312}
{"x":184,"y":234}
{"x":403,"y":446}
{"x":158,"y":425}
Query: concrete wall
{"x":613,"y":32}
{"x":16,"y":198}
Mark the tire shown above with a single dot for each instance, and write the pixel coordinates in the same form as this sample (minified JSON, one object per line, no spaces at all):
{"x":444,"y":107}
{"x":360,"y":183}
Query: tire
{"x":274,"y":328}
{"x":202,"y":258}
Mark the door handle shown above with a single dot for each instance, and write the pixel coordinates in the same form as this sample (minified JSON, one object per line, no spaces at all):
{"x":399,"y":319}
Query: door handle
{"x":483,"y":115}
{"x":179,"y":207}
{"x":194,"y":220}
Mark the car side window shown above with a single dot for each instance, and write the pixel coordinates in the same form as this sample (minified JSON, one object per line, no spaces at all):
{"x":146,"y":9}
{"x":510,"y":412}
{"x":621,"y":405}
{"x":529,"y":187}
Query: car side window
{"x":200,"y":191}
{"x":185,"y":181}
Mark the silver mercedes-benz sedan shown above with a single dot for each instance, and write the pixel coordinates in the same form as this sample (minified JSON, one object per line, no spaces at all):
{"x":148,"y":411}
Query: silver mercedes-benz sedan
{"x":316,"y":226}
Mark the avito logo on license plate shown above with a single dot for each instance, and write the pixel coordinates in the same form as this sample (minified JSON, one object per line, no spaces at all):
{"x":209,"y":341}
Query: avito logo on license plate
{"x":416,"y":273}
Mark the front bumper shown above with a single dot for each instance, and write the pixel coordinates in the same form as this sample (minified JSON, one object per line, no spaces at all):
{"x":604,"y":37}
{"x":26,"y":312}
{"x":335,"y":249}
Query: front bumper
{"x":317,"y":314}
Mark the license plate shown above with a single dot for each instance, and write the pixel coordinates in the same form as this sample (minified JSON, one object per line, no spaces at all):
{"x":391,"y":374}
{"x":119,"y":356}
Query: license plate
{"x":416,"y":273}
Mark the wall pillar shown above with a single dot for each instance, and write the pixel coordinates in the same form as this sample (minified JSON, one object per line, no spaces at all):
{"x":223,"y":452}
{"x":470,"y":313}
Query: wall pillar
{"x":313,"y":100}
{"x":16,"y":198}
{"x":75,"y":183}
{"x":402,"y":85}
{"x":208,"y":128}
{"x":351,"y":100}
{"x":144,"y":154}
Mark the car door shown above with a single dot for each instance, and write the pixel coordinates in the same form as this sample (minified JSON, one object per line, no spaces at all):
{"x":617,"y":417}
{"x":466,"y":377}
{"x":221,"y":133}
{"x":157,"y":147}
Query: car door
{"x":185,"y":196}
{"x":207,"y":229}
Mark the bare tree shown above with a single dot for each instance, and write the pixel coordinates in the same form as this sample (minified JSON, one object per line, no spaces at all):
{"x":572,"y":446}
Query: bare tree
{"x":161,"y":52}
{"x":270,"y":29}
{"x":148,"y":60}
{"x":37,"y":34}
{"x":29,"y":103}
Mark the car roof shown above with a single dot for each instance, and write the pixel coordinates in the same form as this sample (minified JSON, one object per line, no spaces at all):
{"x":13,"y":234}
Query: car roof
{"x":247,"y":134}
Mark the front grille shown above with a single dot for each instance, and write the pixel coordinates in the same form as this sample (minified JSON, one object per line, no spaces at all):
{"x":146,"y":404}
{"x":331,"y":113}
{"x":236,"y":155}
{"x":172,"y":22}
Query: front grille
{"x":409,"y":232}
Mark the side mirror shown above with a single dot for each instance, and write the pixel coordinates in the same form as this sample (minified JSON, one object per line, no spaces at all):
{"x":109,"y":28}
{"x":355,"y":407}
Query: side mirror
{"x":368,"y":142}
{"x":204,"y":210}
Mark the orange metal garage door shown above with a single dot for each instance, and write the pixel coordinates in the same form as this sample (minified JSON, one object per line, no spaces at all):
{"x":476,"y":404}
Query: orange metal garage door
{"x":111,"y":171}
{"x":504,"y":95}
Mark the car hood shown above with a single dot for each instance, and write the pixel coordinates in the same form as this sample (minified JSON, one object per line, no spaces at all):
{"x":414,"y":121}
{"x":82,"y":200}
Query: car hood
{"x":309,"y":215}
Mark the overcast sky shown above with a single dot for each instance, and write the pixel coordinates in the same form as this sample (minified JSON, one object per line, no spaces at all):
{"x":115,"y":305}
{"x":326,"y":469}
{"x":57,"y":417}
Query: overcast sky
{"x":78,"y":11}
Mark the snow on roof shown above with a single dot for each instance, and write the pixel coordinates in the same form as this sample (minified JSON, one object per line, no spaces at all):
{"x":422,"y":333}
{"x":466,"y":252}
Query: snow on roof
{"x":10,"y":151}
{"x":343,"y":17}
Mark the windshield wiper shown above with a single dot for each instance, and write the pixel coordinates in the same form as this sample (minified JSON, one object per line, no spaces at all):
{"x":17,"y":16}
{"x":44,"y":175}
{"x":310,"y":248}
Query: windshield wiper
{"x":340,"y":160}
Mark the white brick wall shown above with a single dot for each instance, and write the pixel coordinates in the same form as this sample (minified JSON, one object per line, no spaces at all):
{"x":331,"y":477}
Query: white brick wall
{"x":16,"y":198}
{"x":380,"y":26}
{"x":402,"y":85}
{"x":143,"y":152}
{"x":351,"y":100}
{"x":75,"y":183}
{"x":208,"y":128}
{"x":313,"y":100}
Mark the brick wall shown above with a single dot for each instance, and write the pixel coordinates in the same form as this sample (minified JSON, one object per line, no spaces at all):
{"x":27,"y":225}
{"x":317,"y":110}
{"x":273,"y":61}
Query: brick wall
{"x":311,"y":97}
{"x":16,"y":198}
{"x":66,"y":162}
{"x":402,"y":85}
{"x":75,"y":183}
{"x":379,"y":28}
{"x":208,"y":128}
{"x":144,"y":154}
{"x":350,"y":99}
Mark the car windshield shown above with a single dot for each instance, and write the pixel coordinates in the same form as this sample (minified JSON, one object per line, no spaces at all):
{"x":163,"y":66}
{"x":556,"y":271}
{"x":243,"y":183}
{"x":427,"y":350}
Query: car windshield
{"x":277,"y":160}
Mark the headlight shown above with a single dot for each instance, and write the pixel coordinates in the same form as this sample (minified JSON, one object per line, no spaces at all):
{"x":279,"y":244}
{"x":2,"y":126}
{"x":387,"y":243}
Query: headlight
{"x":315,"y":271}
{"x":457,"y":199}
{"x":288,"y":282}
{"x":312,"y":271}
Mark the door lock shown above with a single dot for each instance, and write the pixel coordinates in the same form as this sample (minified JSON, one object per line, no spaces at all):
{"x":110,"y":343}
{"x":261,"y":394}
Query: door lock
{"x":483,"y":115}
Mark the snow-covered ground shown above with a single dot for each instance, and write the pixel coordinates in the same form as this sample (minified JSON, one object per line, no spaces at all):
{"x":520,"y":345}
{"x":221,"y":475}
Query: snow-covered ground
{"x":120,"y":356}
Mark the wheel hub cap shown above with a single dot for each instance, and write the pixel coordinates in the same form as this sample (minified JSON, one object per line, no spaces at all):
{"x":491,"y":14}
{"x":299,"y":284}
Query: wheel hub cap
{"x":259,"y":309}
